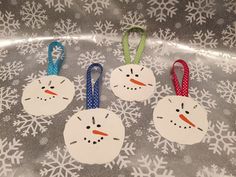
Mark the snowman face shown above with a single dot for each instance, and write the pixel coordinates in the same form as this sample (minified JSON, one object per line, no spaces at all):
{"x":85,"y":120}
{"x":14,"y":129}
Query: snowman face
{"x":132,"y":82}
{"x":94,"y":136}
{"x":180,"y":119}
{"x":47,"y":95}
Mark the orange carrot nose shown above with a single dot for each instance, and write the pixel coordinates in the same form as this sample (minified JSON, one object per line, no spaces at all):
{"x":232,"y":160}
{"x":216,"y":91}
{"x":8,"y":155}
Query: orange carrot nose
{"x":185,"y":119}
{"x":96,"y":132}
{"x":50,"y":92}
{"x":137,"y":82}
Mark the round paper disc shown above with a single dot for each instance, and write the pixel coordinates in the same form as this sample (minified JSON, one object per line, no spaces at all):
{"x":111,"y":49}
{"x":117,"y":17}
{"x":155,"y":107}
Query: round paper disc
{"x":133,"y":82}
{"x":47,"y":95}
{"x":180,"y":119}
{"x":94,"y":136}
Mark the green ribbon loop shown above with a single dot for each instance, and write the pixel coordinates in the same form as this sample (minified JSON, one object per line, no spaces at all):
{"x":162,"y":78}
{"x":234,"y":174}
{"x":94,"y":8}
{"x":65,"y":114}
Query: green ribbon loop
{"x":140,"y":48}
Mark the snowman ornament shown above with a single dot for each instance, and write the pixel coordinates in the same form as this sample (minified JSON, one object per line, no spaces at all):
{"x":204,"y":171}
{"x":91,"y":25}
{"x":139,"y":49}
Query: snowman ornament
{"x":95,"y":135}
{"x":133,"y":82}
{"x":179,"y":118}
{"x":50,"y":94}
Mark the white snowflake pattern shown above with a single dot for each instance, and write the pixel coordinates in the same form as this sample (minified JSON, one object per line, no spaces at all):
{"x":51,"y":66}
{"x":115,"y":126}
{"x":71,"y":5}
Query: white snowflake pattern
{"x":161,"y":143}
{"x":104,"y":33}
{"x":10,"y":154}
{"x":107,"y":77}
{"x":29,"y":45}
{"x":230,"y":5}
{"x":128,"y":111}
{"x":86,"y":59}
{"x":30,"y":124}
{"x":42,"y":56}
{"x":3,"y":54}
{"x":212,"y":171}
{"x":80,"y":87}
{"x":227,"y":63}
{"x":132,"y":19}
{"x":229,"y":36}
{"x":10,"y":70}
{"x":152,"y":63}
{"x":220,"y":138}
{"x":204,"y":97}
{"x":164,"y":41}
{"x":8,"y":98}
{"x":67,"y":31}
{"x":59,"y":163}
{"x":33,"y":15}
{"x":59,"y":5}
{"x":138,"y":132}
{"x":199,"y":71}
{"x":122,"y":160}
{"x":155,"y":166}
{"x":76,"y":110}
{"x":160,"y":92}
{"x":43,"y":141}
{"x":204,"y":40}
{"x":34,"y":76}
{"x":233,"y":161}
{"x":227,"y":90}
{"x":8,"y":25}
{"x":161,"y":9}
{"x":6,"y":118}
{"x":187,"y":159}
{"x":95,"y":6}
{"x":200,"y":11}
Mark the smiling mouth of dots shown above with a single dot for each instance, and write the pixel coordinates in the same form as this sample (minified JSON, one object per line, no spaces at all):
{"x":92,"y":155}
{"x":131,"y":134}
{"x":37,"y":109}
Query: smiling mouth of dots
{"x":94,"y":142}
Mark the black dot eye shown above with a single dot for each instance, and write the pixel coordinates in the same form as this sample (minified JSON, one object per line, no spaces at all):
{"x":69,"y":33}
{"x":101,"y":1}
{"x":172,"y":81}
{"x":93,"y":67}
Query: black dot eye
{"x":98,"y":125}
{"x":186,"y":112}
{"x":42,"y":87}
{"x":177,"y":110}
{"x":136,"y":75}
{"x":127,"y":75}
{"x":88,"y":127}
{"x":52,"y":87}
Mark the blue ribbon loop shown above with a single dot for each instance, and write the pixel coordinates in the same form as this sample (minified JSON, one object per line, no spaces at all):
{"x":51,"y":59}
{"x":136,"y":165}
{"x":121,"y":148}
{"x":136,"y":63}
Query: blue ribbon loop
{"x":93,"y":96}
{"x":54,"y":67}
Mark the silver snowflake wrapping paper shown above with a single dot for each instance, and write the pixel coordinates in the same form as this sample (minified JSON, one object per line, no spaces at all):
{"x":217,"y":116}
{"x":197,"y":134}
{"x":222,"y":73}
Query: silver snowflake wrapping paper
{"x":203,"y":32}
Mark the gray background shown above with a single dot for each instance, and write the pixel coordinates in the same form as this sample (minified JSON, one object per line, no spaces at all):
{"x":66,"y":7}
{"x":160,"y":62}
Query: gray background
{"x":202,"y":32}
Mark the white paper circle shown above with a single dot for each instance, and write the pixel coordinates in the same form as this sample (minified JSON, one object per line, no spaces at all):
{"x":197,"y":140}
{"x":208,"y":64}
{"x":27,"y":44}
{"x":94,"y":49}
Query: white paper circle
{"x":133,"y":82}
{"x":47,"y":95}
{"x":94,"y":136}
{"x":180,"y":119}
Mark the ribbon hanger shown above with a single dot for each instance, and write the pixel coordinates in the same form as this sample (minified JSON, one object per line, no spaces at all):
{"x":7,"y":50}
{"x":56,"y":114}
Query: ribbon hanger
{"x":55,"y":66}
{"x":92,"y":92}
{"x":181,"y":90}
{"x":125,"y":44}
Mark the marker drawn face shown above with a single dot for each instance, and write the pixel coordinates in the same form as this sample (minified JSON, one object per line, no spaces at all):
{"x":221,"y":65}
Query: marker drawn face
{"x":180,"y":119}
{"x":47,"y":95}
{"x":94,"y":136}
{"x":132,"y":82}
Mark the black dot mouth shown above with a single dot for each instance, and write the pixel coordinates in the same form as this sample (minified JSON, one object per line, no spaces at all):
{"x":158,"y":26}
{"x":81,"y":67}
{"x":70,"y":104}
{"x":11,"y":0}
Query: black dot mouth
{"x":132,"y":88}
{"x":180,"y":126}
{"x":45,"y":99}
{"x":93,"y":141}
